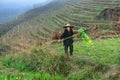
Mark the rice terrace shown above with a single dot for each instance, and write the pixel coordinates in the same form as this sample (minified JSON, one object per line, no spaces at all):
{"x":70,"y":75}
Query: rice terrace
{"x":38,"y":45}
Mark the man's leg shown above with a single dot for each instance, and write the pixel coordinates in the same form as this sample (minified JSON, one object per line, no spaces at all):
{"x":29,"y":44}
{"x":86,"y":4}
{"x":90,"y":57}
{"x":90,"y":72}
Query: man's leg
{"x":66,"y":49}
{"x":71,"y":49}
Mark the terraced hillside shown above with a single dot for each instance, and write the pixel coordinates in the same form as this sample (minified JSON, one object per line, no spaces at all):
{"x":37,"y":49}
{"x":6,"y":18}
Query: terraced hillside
{"x":38,"y":24}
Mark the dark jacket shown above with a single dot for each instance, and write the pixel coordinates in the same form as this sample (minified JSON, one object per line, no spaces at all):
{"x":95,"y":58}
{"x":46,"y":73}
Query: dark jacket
{"x":67,"y":34}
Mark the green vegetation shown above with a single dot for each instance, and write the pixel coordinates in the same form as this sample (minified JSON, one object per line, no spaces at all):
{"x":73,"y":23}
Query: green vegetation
{"x":86,"y":40}
{"x":29,"y":76}
{"x":104,"y":51}
{"x":40,"y":63}
{"x":37,"y":65}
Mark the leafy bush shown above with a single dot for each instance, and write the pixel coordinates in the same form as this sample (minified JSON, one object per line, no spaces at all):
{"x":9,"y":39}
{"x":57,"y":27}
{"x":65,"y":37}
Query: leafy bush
{"x":86,"y":39}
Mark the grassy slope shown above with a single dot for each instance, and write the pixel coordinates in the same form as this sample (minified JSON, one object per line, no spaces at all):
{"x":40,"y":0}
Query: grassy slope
{"x":88,"y":63}
{"x":40,"y":24}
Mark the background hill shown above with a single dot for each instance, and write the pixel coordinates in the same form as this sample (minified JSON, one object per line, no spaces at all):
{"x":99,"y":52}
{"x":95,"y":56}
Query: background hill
{"x":11,"y":9}
{"x":38,"y":24}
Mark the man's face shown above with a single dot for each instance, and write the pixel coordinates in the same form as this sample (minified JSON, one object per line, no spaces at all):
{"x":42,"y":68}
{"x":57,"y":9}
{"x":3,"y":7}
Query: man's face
{"x":68,"y":28}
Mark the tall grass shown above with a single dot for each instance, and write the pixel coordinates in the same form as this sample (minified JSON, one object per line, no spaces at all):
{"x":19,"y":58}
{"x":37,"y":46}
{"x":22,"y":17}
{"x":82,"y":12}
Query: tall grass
{"x":38,"y":60}
{"x":88,"y":63}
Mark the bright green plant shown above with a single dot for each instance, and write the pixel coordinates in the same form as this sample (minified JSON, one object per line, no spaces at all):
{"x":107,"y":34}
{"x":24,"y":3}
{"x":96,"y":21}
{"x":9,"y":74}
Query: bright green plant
{"x":85,"y":38}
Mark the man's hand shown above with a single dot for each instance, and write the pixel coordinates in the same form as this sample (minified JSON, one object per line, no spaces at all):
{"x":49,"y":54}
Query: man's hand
{"x":60,"y":40}
{"x":73,"y":35}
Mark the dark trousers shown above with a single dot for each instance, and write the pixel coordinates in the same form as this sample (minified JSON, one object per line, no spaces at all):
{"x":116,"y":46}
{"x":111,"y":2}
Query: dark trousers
{"x":66,"y":47}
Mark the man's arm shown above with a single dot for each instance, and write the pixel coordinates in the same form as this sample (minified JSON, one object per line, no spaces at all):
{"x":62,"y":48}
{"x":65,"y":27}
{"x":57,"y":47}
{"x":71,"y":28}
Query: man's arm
{"x":72,"y":33}
{"x":61,"y":37}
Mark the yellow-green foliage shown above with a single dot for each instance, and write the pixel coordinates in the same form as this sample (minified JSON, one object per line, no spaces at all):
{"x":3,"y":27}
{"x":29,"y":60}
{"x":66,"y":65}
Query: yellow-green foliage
{"x":86,"y":40}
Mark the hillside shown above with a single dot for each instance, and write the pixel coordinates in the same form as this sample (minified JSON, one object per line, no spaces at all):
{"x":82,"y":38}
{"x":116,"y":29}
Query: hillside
{"x":37,"y":25}
{"x":29,"y":49}
{"x":110,"y":14}
{"x":5,"y":27}
{"x":7,"y":14}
